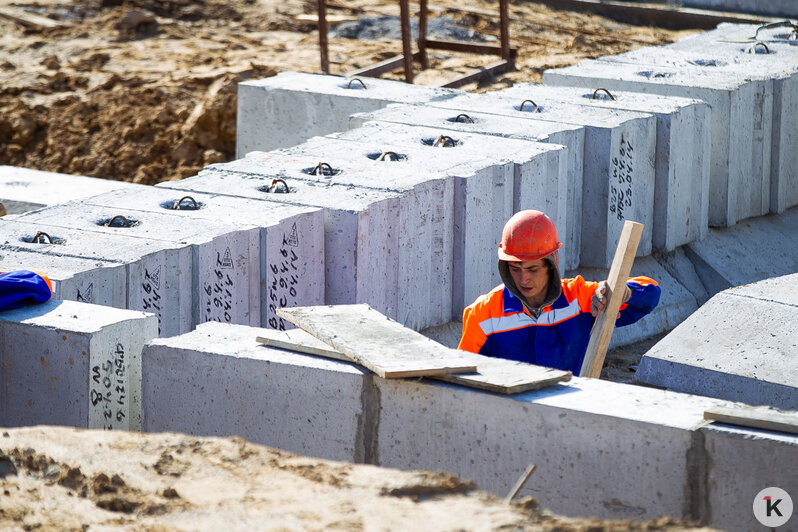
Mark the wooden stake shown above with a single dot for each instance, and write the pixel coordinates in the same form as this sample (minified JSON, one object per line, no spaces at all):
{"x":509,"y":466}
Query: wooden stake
{"x":520,"y":483}
{"x":601,"y":333}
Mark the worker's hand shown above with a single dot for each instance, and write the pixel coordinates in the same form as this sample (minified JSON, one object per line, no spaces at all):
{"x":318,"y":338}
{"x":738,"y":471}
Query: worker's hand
{"x":601,"y":297}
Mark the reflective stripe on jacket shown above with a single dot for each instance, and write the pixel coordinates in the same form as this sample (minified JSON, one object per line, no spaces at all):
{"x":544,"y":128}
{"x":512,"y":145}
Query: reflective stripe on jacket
{"x":497,"y":324}
{"x":22,"y":287}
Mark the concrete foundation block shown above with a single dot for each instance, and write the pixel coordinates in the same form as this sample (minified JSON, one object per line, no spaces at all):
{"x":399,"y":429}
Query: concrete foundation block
{"x":618,"y":183}
{"x":776,"y":8}
{"x":224,"y":271}
{"x":740,"y":356}
{"x":570,"y":136}
{"x":291,"y":107}
{"x":485,"y":193}
{"x":25,"y":189}
{"x":735,"y":104}
{"x":218,"y":381}
{"x":682,"y":157}
{"x":158,"y":273}
{"x":290,"y":246}
{"x":73,"y":278}
{"x":737,"y":458}
{"x":675,"y":305}
{"x":583,"y":437}
{"x":358,"y":222}
{"x":753,"y":196}
{"x":774,"y":58}
{"x":69,"y":363}
{"x":753,"y":250}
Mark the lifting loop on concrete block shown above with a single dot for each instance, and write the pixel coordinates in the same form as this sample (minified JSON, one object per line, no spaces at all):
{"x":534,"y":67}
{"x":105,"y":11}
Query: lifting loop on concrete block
{"x":194,"y":205}
{"x":388,"y":156}
{"x":322,"y":169}
{"x":535,"y":108}
{"x":277,"y":181}
{"x":752,"y":48}
{"x":780,"y":24}
{"x":37,"y":238}
{"x":349,"y":85}
{"x":110,"y":223}
{"x":468,"y":119}
{"x":444,"y":141}
{"x":595,"y":93}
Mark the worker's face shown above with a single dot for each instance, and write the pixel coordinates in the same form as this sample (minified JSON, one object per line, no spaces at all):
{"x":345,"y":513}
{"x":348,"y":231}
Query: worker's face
{"x":531,"y":278}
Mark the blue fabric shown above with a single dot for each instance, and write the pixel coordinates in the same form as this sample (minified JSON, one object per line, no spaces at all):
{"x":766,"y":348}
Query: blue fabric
{"x":21,"y":288}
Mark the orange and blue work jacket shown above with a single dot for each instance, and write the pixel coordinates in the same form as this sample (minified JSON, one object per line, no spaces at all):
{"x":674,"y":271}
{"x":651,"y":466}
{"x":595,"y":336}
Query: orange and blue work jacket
{"x":497,"y":324}
{"x":23,"y":287}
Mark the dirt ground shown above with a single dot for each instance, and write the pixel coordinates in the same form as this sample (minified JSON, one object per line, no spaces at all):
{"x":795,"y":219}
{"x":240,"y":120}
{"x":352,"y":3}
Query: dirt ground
{"x":63,"y":479}
{"x":145,"y":90}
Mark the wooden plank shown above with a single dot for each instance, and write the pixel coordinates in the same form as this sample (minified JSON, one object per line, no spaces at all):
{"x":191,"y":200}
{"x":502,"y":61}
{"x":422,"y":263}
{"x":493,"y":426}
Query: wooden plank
{"x":493,"y":374}
{"x":377,"y":342}
{"x":331,"y":19}
{"x":621,"y":266}
{"x":28,"y":19}
{"x":755,"y":417}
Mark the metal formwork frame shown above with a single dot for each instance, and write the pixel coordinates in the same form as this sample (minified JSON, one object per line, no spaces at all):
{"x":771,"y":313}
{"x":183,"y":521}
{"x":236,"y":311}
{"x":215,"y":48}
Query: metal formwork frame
{"x":407,"y":57}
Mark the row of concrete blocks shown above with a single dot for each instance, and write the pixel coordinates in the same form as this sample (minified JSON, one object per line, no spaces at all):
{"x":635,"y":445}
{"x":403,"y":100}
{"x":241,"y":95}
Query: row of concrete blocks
{"x":70,"y":363}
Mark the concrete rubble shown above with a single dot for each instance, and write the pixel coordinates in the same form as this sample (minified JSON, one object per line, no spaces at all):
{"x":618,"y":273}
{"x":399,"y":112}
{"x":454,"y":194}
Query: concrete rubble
{"x":404,"y":211}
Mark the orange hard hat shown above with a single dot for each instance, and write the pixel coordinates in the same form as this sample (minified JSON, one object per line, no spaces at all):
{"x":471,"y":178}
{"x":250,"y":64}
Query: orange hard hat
{"x":528,"y":235}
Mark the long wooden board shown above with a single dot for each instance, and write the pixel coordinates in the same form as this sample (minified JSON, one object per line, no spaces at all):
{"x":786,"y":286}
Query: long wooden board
{"x":755,"y":417}
{"x":380,"y":344}
{"x":601,"y":333}
{"x":28,"y":19}
{"x":493,"y":374}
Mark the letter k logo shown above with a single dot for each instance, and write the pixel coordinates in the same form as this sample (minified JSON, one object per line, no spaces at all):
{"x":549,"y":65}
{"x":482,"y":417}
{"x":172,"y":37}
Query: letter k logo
{"x":772,"y":506}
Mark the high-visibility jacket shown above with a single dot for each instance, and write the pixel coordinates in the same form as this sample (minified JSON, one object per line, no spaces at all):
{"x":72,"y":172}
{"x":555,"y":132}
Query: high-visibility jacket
{"x":22,"y":287}
{"x":497,"y":324}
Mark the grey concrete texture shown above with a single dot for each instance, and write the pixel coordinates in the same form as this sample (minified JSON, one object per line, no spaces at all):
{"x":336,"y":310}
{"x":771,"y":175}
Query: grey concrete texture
{"x":773,"y":59}
{"x":218,"y":381}
{"x":682,"y":157}
{"x":360,"y":227}
{"x":570,"y":136}
{"x":422,"y":285}
{"x":24,"y":189}
{"x":734,"y":105}
{"x":583,"y":435}
{"x":224,"y":271}
{"x":607,"y":160}
{"x":290,"y":246}
{"x":73,"y":278}
{"x":158,"y":273}
{"x":519,"y":173}
{"x":74,"y":364}
{"x":291,"y":107}
{"x":767,"y":114}
{"x":741,"y":346}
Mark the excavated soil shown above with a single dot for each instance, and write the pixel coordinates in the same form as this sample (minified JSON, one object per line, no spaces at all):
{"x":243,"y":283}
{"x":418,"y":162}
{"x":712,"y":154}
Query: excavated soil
{"x":145,"y":90}
{"x":63,"y":479}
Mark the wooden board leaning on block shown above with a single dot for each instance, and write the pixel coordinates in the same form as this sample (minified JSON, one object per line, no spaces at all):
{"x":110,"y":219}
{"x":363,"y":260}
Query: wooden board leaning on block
{"x":493,"y":374}
{"x":376,"y":342}
{"x":755,"y":417}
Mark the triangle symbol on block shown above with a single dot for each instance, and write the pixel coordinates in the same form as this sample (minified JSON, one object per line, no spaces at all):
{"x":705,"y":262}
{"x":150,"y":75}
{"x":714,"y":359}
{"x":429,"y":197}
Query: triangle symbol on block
{"x":227,"y":260}
{"x":293,"y":238}
{"x":155,"y":277}
{"x":86,"y":296}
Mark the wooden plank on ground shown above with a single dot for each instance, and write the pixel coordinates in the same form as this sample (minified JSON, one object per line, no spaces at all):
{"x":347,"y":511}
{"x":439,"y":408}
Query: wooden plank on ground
{"x":493,"y":374}
{"x":27,"y":19}
{"x":755,"y":417}
{"x":380,"y":344}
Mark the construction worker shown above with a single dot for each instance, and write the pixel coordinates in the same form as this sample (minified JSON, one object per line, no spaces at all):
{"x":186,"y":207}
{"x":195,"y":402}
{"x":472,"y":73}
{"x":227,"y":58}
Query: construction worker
{"x":23,"y":287}
{"x":536,"y":316}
